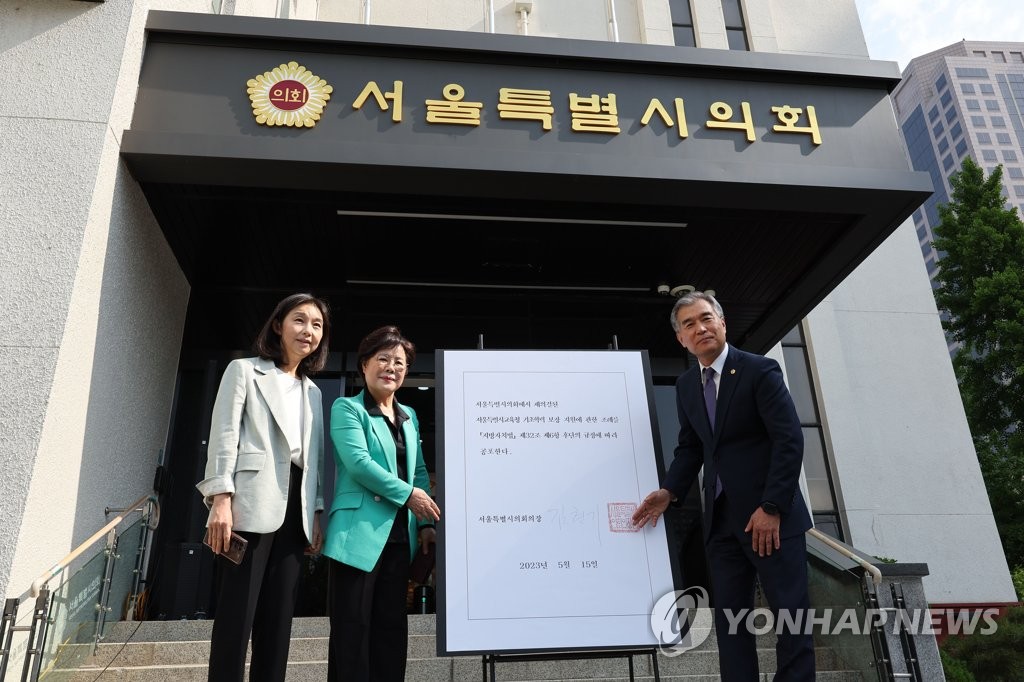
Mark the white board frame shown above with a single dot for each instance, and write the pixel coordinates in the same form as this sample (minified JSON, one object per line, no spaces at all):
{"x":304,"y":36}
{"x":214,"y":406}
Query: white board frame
{"x":574,"y":579}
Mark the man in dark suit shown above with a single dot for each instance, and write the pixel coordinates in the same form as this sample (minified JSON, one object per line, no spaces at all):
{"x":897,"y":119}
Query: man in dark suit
{"x":738,"y":421}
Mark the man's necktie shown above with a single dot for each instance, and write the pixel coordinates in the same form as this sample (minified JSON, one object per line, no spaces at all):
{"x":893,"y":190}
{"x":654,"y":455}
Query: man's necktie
{"x":710,"y":395}
{"x":710,"y":401}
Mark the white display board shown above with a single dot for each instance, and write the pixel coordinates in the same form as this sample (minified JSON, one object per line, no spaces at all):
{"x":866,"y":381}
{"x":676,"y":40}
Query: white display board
{"x":543,"y":456}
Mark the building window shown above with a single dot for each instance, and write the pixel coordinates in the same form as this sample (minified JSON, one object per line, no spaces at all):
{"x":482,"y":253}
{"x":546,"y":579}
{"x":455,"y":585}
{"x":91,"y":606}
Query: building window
{"x":973,"y":105}
{"x":945,"y":99}
{"x":956,"y":131}
{"x":735,"y":28}
{"x":941,"y":83}
{"x":938,"y":130}
{"x":989,"y":154}
{"x":1003,"y":138}
{"x":961,"y":148}
{"x":933,"y":114}
{"x":998,"y":122}
{"x":998,"y":56}
{"x":965,"y":72}
{"x":820,"y":484}
{"x":947,"y":162}
{"x":682,"y":23}
{"x":991,"y":105}
{"x":984,"y":138}
{"x":967,"y":88}
{"x":1015,"y":173}
{"x":1017,"y":57}
{"x":987,"y":88}
{"x":978,"y":121}
{"x":1018,"y":190}
{"x":1009,"y":156}
{"x":943,"y":145}
{"x":977,"y":53}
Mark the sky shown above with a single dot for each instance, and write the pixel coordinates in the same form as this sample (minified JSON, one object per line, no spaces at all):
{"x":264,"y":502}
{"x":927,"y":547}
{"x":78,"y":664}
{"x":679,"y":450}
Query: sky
{"x":899,"y":30}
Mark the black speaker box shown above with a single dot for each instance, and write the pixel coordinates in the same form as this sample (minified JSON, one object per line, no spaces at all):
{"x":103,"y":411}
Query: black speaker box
{"x":187,"y":582}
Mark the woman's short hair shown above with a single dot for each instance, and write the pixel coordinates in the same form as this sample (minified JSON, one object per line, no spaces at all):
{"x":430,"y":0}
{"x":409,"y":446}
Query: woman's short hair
{"x":387,"y":336}
{"x":268,"y":342}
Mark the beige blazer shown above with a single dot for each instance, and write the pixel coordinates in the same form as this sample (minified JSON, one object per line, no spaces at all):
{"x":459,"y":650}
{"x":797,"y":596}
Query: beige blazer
{"x":249,"y":454}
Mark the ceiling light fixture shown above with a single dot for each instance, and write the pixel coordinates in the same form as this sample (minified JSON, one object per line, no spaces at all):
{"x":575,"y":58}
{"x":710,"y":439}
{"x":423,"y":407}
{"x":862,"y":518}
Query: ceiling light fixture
{"x":681,"y":290}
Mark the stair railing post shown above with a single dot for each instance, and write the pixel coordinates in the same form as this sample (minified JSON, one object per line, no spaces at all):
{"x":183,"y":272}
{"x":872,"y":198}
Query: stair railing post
{"x":36,"y":637}
{"x":913,"y":665}
{"x":879,"y":644}
{"x":140,"y":564}
{"x":108,"y":572}
{"x":7,"y":633}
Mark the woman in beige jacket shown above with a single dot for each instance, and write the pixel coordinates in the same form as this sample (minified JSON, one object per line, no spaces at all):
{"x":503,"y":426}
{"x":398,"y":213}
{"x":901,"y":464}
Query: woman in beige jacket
{"x":263,"y":481}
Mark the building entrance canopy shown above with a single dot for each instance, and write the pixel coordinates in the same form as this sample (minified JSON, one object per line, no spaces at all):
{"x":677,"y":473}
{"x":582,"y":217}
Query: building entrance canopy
{"x":539,"y":190}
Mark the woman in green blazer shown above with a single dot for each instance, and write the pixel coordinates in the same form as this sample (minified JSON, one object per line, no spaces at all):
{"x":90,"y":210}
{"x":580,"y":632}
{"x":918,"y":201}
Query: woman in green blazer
{"x":382,"y":511}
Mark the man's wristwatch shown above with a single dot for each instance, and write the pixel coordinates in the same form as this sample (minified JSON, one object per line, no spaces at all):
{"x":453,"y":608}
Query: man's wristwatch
{"x":770,"y":508}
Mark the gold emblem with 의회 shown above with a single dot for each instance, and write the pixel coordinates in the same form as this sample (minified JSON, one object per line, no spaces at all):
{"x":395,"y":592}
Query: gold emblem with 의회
{"x":289,"y":95}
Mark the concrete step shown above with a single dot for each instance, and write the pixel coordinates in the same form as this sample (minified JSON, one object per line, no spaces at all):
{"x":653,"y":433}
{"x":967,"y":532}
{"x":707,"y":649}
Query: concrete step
{"x":318,"y":673}
{"x":173,"y":651}
{"x":421,"y":648}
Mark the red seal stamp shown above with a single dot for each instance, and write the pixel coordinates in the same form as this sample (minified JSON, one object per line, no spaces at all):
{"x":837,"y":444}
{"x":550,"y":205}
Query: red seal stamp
{"x":620,"y":517}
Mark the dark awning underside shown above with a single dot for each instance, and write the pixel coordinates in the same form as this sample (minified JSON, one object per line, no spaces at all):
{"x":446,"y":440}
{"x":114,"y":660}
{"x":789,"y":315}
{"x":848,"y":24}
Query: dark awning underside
{"x":535,"y":241}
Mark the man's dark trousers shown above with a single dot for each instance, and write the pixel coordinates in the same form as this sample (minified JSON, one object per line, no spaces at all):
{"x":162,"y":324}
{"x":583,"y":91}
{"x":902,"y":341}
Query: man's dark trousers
{"x":783,"y":575}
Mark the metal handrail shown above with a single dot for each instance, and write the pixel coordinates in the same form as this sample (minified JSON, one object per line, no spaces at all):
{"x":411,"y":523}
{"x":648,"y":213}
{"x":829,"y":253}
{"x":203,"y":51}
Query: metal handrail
{"x":876,"y":575}
{"x":52,"y":572}
{"x":37,"y":632}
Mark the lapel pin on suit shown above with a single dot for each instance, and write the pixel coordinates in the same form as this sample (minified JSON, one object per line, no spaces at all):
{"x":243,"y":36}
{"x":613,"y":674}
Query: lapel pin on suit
{"x":732,"y":371}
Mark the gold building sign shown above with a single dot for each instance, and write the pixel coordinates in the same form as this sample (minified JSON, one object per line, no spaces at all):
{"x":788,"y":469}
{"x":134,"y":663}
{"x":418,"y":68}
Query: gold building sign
{"x":292,"y":96}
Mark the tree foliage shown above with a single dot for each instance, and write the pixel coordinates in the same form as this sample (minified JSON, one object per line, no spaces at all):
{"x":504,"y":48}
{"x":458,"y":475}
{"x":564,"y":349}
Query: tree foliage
{"x":995,"y":657}
{"x":981,"y":278}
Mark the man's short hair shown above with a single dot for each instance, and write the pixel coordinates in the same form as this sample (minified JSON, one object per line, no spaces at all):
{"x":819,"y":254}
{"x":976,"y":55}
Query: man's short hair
{"x":688,"y":300}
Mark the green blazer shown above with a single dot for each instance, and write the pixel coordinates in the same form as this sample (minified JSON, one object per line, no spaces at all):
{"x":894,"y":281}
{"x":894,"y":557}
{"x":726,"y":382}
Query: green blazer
{"x":367,"y":490}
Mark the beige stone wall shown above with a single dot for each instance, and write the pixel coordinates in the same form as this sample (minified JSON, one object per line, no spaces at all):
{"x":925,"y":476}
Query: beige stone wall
{"x":93,"y":299}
